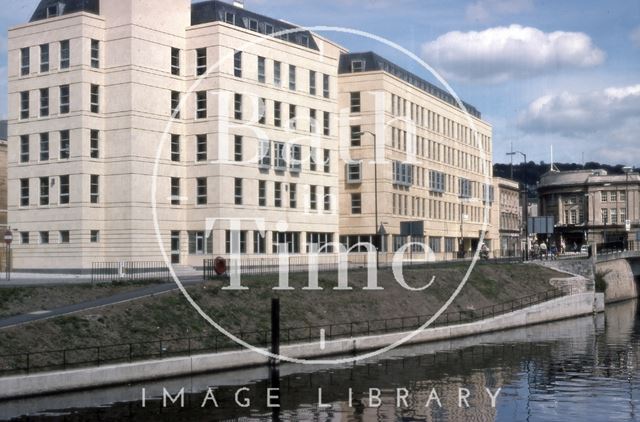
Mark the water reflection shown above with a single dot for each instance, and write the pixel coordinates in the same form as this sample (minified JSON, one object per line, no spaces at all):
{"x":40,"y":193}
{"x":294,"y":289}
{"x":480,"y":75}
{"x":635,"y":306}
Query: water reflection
{"x":579,"y":369}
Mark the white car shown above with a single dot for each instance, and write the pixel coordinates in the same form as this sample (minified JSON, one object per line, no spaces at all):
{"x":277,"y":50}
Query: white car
{"x":584,"y":249}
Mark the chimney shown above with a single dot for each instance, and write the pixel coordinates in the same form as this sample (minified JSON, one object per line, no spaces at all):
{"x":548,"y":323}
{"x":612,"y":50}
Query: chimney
{"x":239,"y":3}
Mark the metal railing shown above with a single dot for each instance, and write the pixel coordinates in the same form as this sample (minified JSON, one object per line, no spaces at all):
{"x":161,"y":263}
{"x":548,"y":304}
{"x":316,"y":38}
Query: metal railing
{"x":129,"y":271}
{"x":48,"y":360}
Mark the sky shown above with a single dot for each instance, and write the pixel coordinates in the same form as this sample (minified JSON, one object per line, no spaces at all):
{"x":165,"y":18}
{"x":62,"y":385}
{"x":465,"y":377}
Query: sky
{"x":561,"y":75}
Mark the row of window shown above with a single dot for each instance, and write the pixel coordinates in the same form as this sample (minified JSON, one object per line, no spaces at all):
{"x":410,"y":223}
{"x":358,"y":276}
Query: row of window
{"x":45,"y":185}
{"x":613,"y":196}
{"x":64,"y":57}
{"x":407,"y":205}
{"x":64,"y":142}
{"x":283,"y":156}
{"x":612,"y":216}
{"x":64,"y":236}
{"x":64,"y":101}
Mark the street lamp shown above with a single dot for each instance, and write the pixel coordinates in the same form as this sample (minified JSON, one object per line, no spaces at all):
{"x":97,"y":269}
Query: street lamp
{"x":375,"y":193}
{"x":526,"y":202}
{"x":627,"y":170}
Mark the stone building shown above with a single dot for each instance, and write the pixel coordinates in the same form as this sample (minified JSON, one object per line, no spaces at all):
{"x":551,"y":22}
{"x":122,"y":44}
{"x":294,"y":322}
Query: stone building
{"x":509,"y":198}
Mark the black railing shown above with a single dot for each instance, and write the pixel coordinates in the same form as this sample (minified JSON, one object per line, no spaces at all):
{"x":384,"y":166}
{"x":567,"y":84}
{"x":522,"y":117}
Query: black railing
{"x":129,"y":271}
{"x":48,"y":360}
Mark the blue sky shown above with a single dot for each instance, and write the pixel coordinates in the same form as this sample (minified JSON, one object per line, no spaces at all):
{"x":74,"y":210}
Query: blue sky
{"x":564,"y":73}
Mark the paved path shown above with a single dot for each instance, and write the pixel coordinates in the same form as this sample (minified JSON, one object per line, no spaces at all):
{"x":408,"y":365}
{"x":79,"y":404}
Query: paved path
{"x":97,"y":303}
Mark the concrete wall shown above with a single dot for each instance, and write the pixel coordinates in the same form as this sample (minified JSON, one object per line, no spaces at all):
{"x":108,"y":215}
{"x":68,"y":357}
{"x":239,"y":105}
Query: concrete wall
{"x":618,"y":275}
{"x":56,"y":382}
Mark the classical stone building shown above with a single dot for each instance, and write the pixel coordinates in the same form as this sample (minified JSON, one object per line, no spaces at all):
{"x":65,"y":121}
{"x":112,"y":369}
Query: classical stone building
{"x":509,"y":198}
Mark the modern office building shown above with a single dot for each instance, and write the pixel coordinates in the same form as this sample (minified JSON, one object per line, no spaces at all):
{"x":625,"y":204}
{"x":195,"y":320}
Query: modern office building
{"x":207,"y":117}
{"x":591,"y":206}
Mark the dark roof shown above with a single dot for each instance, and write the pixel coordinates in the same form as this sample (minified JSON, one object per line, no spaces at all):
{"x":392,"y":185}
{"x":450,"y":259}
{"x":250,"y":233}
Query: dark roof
{"x":216,"y":11}
{"x":373,"y":62}
{"x":65,"y":7}
{"x":3,"y":130}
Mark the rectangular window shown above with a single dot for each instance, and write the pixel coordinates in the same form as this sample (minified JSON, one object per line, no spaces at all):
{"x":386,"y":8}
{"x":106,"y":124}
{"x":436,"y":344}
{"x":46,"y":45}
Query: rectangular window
{"x":295,"y":163}
{"x":293,"y":195}
{"x":95,"y":98}
{"x":258,"y":243}
{"x":277,"y":113}
{"x":94,"y":141}
{"x":65,"y":147}
{"x":64,"y":99}
{"x":262,"y":193}
{"x":44,"y":58}
{"x":356,"y":203}
{"x":253,"y":25}
{"x":326,"y":123}
{"x":262,"y":111}
{"x":264,"y":160}
{"x":201,"y":104}
{"x":95,"y":189}
{"x":268,"y":28}
{"x":280,"y":159}
{"x":355,"y":102}
{"x":201,"y":147}
{"x":325,"y":86}
{"x":44,"y":146}
{"x":327,"y":198}
{"x":44,"y":238}
{"x":292,"y":77}
{"x":65,"y":54}
{"x":604,"y":196}
{"x":313,"y":197}
{"x":237,"y":106}
{"x":230,"y":17}
{"x":44,"y":191}
{"x":94,"y":236}
{"x":356,"y":136}
{"x":25,"y":61}
{"x":464,"y":188}
{"x":354,"y":172}
{"x":277,"y":73}
{"x":64,"y":189}
{"x":614,"y":196}
{"x":285,"y":242}
{"x":277,"y":194}
{"x":175,"y":104}
{"x":200,"y":244}
{"x":241,"y":236}
{"x":24,"y":238}
{"x":237,"y":64}
{"x":614,"y":216}
{"x":292,"y":116}
{"x":24,"y":192}
{"x":312,"y":82}
{"x":261,"y":70}
{"x":201,"y":191}
{"x":237,"y":148}
{"x":175,"y":191}
{"x":175,"y":148}
{"x":64,"y":236}
{"x":313,"y":159}
{"x":327,"y":161}
{"x":24,"y":148}
{"x":24,"y":105}
{"x":175,"y":61}
{"x":437,"y":181}
{"x":201,"y":61}
{"x":237,"y":191}
{"x":357,"y":66}
{"x":44,"y":102}
{"x":319,"y":242}
{"x":312,"y":120}
{"x":95,"y":54}
{"x":53,"y":10}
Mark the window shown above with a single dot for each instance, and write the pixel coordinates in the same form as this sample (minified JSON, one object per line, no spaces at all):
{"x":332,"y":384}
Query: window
{"x":201,"y":147}
{"x":95,"y":54}
{"x":614,"y":196}
{"x":44,"y":58}
{"x":24,"y":105}
{"x":230,"y":17}
{"x":262,"y":193}
{"x":64,"y":189}
{"x":261,"y":70}
{"x":402,"y":173}
{"x":65,"y":147}
{"x":614,"y":216}
{"x":237,"y":191}
{"x":201,"y":104}
{"x":24,"y":148}
{"x":277,"y":113}
{"x":175,"y":104}
{"x":95,"y":189}
{"x":175,"y":148}
{"x":277,"y":73}
{"x":623,"y":196}
{"x":258,"y":243}
{"x":327,"y":161}
{"x":25,"y":61}
{"x":200,"y":244}
{"x":354,"y":172}
{"x":293,"y":195}
{"x":465,"y":188}
{"x":603,"y":196}
{"x":94,"y":236}
{"x":95,"y":98}
{"x":357,"y":66}
{"x":64,"y":236}
{"x":24,"y":192}
{"x":44,"y":191}
{"x":285,"y":242}
{"x":44,"y":102}
{"x":280,"y":159}
{"x":312,"y":82}
{"x":237,"y":106}
{"x":355,"y":102}
{"x":241,"y":236}
{"x":268,"y":28}
{"x":325,"y":86}
{"x":262,"y":111}
{"x":313,"y":159}
{"x":320,"y":242}
{"x":292,"y":77}
{"x":327,"y":198}
{"x":237,"y":148}
{"x":94,"y":141}
{"x":237,"y":64}
{"x":605,"y":215}
{"x":437,"y":181}
{"x":53,"y":10}
{"x":64,"y":99}
{"x":435,"y":244}
{"x":326,"y":124}
{"x":175,"y":191}
{"x":312,"y":120}
{"x":201,"y":61}
{"x":201,"y":190}
{"x":253,"y":25}
{"x":264,"y":160}
{"x":44,"y":146}
{"x":65,"y":54}
{"x":295,"y":164}
{"x":24,"y":238}
{"x":292,"y":116}
{"x":356,"y":136}
{"x":175,"y":61}
{"x":277,"y":194}
{"x":44,"y":238}
{"x":356,"y":203}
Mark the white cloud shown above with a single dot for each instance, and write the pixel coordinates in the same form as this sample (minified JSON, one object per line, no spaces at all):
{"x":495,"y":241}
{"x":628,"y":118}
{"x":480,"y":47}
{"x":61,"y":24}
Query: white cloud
{"x":635,"y":36}
{"x":485,"y":10}
{"x":502,"y":53}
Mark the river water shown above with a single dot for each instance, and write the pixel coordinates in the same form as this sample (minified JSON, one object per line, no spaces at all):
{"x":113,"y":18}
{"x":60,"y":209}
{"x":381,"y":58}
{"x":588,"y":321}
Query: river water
{"x":584,"y":369}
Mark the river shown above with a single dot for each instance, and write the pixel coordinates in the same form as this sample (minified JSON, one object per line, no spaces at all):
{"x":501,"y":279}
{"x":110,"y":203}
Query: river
{"x":583,"y":369}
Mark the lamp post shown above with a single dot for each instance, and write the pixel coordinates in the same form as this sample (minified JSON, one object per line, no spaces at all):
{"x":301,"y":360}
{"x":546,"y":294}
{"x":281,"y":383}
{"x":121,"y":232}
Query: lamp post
{"x":627,"y":215}
{"x":525,"y":208}
{"x":375,"y":193}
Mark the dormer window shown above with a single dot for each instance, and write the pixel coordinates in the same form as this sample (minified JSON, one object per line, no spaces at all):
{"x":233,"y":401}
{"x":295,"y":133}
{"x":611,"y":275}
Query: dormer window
{"x":357,"y":66}
{"x":304,"y":40}
{"x":54,"y":10}
{"x":253,"y":25}
{"x":230,"y":18}
{"x":268,"y":28}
